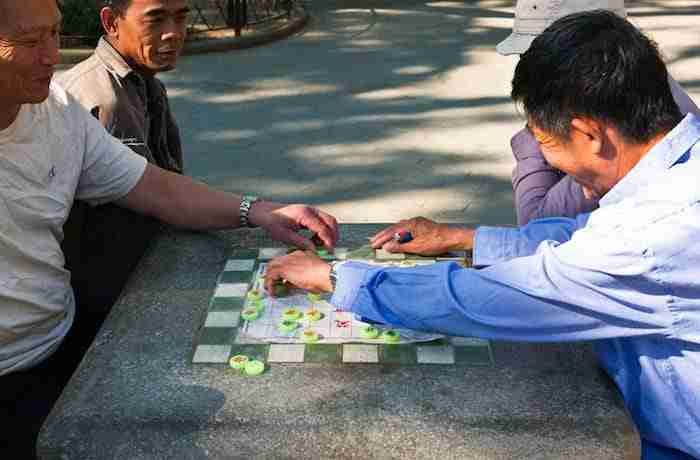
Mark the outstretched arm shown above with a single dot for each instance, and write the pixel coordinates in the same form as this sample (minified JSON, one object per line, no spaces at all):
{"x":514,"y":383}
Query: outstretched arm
{"x":181,"y":201}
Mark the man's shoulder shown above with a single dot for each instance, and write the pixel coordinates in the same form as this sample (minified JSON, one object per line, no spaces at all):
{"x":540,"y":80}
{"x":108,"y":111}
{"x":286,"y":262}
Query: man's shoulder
{"x":90,"y":82}
{"x":61,"y":103}
{"x":87,"y":69}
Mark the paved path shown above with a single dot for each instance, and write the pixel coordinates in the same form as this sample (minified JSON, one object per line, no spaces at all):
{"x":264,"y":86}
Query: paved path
{"x":381,"y":109}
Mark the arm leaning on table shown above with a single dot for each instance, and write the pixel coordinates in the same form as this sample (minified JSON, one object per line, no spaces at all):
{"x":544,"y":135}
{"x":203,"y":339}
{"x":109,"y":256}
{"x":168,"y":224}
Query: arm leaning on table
{"x":544,"y":286}
{"x":629,"y":284}
{"x":183,"y":202}
{"x":542,"y":191}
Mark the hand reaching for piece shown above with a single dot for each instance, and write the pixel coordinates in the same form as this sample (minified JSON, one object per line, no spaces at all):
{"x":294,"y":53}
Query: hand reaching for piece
{"x":283,"y":223}
{"x":429,"y":238}
{"x":302,"y":269}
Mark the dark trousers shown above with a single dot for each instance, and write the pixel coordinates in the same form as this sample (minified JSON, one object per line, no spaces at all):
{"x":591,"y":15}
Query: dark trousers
{"x":102,"y":246}
{"x":26,"y":397}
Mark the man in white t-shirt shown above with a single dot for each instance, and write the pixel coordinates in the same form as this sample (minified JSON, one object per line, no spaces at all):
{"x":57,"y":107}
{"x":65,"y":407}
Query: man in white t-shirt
{"x":52,"y":151}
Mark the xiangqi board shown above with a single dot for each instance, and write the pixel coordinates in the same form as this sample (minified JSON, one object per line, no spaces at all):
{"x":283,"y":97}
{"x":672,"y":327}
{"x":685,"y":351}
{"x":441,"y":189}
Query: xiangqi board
{"x":225,"y":333}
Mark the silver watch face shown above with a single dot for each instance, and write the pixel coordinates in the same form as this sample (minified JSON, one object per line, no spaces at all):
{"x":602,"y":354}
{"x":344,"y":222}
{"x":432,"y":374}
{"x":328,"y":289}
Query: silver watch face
{"x":246,"y":203}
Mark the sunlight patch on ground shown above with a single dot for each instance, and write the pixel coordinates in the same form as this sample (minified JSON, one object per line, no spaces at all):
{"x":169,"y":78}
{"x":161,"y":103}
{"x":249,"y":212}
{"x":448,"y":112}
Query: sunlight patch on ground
{"x":448,"y":204}
{"x":456,"y":5}
{"x":382,"y":94}
{"x":294,"y":126}
{"x":266,"y":89}
{"x":428,"y":143}
{"x":228,"y":135}
{"x":371,"y":42}
{"x":478,"y":24}
{"x":318,"y":34}
{"x":178,"y":92}
{"x":347,"y":10}
{"x":387,"y":12}
{"x":686,"y":69}
{"x":415,"y":70}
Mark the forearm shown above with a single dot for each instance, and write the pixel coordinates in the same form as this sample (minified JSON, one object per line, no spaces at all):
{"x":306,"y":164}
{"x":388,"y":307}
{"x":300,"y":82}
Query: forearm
{"x":528,"y":299}
{"x":199,"y":207}
{"x":493,"y":245}
{"x":180,"y":201}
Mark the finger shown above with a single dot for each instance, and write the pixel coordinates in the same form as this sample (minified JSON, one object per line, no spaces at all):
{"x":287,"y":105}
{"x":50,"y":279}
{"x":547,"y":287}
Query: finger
{"x":391,"y":246}
{"x":317,"y":241}
{"x":271,"y":276}
{"x":313,"y":222}
{"x":297,"y":240}
{"x":386,"y":235}
{"x":332,"y":225}
{"x":383,"y":236}
{"x":395,"y":246}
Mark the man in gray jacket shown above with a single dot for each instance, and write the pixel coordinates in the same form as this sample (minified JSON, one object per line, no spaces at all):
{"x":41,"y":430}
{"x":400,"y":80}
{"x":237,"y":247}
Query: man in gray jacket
{"x":118,"y":85}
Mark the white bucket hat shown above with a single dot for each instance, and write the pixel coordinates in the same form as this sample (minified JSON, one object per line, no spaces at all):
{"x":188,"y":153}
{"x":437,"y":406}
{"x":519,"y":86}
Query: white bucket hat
{"x":533,"y":16}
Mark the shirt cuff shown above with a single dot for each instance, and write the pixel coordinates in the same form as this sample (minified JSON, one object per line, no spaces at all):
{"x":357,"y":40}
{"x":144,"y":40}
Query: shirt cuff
{"x":491,"y":245}
{"x":351,"y":276}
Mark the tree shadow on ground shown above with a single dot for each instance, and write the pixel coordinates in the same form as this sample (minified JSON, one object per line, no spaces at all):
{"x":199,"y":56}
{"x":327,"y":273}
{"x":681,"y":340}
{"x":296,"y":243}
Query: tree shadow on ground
{"x":377,"y":101}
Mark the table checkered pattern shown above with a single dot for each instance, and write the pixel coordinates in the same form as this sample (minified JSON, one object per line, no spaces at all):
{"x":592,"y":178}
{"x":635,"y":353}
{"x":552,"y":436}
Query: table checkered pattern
{"x":216,"y":341}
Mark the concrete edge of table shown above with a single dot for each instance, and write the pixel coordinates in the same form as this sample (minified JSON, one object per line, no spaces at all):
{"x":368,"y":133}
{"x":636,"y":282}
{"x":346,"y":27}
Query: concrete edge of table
{"x":286,"y":28}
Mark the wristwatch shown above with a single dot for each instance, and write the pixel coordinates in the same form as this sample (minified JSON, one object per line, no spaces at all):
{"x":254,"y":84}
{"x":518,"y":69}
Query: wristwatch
{"x":333,"y":275}
{"x":244,"y":209}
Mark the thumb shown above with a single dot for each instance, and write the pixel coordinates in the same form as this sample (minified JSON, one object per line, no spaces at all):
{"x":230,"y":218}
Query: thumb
{"x":392,"y":246}
{"x":395,"y":246}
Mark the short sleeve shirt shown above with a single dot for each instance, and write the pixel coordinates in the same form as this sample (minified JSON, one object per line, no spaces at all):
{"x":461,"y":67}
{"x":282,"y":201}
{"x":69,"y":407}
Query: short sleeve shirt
{"x":53,"y":153}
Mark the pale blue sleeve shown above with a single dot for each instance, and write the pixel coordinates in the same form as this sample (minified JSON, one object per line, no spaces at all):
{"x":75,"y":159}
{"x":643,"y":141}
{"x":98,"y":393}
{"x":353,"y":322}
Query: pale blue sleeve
{"x":499,"y":244}
{"x":582,"y":289}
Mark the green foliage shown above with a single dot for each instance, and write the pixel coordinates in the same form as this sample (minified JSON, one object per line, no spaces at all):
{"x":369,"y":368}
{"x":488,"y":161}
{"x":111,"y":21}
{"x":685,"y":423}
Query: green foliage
{"x":81,"y":17}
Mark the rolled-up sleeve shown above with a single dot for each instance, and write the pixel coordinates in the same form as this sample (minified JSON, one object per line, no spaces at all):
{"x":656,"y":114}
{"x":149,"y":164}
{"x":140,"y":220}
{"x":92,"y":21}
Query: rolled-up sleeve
{"x":499,"y":244}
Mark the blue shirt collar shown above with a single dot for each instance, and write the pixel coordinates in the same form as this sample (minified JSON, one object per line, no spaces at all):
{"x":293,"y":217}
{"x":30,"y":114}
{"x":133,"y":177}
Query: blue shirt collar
{"x":662,"y":156}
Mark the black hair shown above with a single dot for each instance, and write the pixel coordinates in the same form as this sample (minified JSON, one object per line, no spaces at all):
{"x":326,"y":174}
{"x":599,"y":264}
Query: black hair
{"x":598,"y":65}
{"x":119,"y":6}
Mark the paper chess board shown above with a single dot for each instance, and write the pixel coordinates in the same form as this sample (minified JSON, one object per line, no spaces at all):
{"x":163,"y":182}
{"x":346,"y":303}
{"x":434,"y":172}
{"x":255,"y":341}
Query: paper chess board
{"x":225,"y":334}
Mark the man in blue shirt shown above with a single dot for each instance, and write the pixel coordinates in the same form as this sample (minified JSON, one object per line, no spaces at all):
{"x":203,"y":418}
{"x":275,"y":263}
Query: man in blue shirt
{"x":596,"y":94}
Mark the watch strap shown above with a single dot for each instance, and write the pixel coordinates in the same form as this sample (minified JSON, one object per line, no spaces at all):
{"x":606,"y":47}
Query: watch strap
{"x":333,"y":275}
{"x":244,"y":210}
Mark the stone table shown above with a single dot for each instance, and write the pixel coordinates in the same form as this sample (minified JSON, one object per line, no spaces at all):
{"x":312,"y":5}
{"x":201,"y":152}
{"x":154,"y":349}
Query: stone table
{"x":136,"y":395}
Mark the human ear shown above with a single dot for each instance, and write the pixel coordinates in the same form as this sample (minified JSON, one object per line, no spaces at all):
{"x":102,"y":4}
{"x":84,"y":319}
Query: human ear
{"x":109,"y":19}
{"x":588,"y":131}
